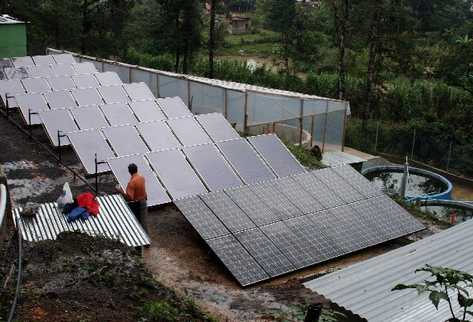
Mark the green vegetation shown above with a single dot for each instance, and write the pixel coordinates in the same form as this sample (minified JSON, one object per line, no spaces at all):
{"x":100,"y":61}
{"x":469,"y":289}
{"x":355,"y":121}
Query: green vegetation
{"x":305,"y":157}
{"x":445,"y":280}
{"x":406,"y":64}
{"x":158,"y":311}
{"x":415,"y":210}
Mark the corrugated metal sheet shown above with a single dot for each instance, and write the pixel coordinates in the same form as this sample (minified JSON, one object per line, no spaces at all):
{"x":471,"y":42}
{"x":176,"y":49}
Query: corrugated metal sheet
{"x":115,"y":221}
{"x":365,"y":288}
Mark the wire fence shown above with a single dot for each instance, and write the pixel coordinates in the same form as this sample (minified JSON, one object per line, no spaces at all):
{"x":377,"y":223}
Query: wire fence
{"x":423,"y":143}
{"x":250,"y":108}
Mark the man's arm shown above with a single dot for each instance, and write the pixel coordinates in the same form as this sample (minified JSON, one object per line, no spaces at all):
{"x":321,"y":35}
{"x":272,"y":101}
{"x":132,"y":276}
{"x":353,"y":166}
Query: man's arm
{"x":130,"y":191}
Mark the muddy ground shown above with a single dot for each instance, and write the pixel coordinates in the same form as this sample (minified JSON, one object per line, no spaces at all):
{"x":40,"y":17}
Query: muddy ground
{"x":178,"y":257}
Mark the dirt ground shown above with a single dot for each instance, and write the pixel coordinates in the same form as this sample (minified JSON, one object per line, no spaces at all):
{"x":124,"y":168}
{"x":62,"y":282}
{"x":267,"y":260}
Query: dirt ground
{"x":178,"y":257}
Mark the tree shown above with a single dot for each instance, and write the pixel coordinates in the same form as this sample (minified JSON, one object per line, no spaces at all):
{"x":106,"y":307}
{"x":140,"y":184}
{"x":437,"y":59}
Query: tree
{"x":341,"y":11}
{"x":281,"y":18}
{"x":445,"y":281}
{"x":213,"y":9}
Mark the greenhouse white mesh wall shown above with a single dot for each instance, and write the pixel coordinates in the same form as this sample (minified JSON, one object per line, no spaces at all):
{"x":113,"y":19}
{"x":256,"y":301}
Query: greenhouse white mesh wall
{"x":296,"y":117}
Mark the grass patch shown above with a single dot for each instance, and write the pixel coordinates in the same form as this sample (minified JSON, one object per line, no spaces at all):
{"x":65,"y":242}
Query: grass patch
{"x":305,"y":157}
{"x":157,"y":311}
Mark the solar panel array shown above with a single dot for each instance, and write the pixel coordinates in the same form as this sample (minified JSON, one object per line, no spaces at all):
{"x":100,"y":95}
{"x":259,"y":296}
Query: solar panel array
{"x":264,"y":230}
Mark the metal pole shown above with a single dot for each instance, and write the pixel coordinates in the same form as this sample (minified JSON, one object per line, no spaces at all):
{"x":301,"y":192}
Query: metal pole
{"x":129,"y":75}
{"x":96,"y":176}
{"x":245,"y":120}
{"x":189,"y":102}
{"x":225,"y":101}
{"x":59,"y":146}
{"x":413,"y":144}
{"x":157,"y":85}
{"x":301,"y":122}
{"x":312,"y":124}
{"x":449,"y":157}
{"x":325,"y":129}
{"x":103,"y":66}
{"x":376,"y":138}
{"x":345,"y":119}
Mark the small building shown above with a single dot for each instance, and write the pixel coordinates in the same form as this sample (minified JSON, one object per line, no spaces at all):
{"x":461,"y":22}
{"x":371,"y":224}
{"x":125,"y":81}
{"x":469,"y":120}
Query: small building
{"x":239,"y":25}
{"x":13,"y":37}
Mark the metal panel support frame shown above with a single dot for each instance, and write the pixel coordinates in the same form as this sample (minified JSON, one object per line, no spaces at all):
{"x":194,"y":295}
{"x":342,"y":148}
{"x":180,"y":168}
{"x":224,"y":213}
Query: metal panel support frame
{"x":225,"y":103}
{"x":301,"y":122}
{"x":345,"y":121}
{"x":30,"y":128}
{"x":325,"y":128}
{"x":245,"y":116}
{"x":7,"y":104}
{"x":97,"y":163}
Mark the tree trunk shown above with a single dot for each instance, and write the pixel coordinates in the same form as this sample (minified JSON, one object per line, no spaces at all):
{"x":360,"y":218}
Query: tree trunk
{"x":213,"y":10}
{"x":85,"y":27}
{"x":341,"y":13}
{"x":177,"y":45}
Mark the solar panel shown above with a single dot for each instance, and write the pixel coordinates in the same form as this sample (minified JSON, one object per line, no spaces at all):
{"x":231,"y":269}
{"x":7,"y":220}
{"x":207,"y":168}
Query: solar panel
{"x":57,"y":120}
{"x":298,"y":196}
{"x":201,"y":218}
{"x":255,"y":208}
{"x":87,"y":96}
{"x":59,"y":100}
{"x":188,"y":131}
{"x":113,"y":94}
{"x":358,"y":181}
{"x":276,"y":200}
{"x":337,"y":184}
{"x":108,"y":79}
{"x":33,"y":103}
{"x":85,"y":81}
{"x":227,"y":211}
{"x":38,"y":71}
{"x":158,"y":136}
{"x":296,"y":248}
{"x":173,"y":107}
{"x":320,"y":246}
{"x":22,"y":61}
{"x":61,"y":83}
{"x":237,"y":260}
{"x":118,"y":114}
{"x":319,"y":190}
{"x":11,"y":87}
{"x":64,"y":59}
{"x":90,"y":117}
{"x":138,"y":92}
{"x":147,"y":111}
{"x":125,"y":140}
{"x":265,"y":252}
{"x":353,"y":235}
{"x":88,"y":143}
{"x":63,"y":70}
{"x":176,"y":174}
{"x":43,"y":60}
{"x":217,"y":127}
{"x":154,"y":189}
{"x":276,"y":154}
{"x":212,"y":167}
{"x":243,"y":158}
{"x":85,"y":68}
{"x":265,"y":220}
{"x":35,"y":85}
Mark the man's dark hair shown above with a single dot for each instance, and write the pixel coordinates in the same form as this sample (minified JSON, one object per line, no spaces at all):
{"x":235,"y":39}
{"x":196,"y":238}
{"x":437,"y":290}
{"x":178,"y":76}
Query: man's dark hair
{"x":132,"y":168}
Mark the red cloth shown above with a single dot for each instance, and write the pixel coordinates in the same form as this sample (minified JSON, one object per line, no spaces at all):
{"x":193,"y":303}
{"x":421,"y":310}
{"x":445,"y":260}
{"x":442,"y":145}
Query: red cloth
{"x":87,"y":200}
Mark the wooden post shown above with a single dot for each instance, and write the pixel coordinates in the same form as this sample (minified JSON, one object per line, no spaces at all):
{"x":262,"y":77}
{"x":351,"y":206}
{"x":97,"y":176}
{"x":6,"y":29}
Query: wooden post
{"x":157,"y":85}
{"x":130,"y":78}
{"x":189,"y":100}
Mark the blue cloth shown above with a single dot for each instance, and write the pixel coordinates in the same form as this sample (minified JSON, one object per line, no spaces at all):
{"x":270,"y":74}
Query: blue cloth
{"x":78,"y":213}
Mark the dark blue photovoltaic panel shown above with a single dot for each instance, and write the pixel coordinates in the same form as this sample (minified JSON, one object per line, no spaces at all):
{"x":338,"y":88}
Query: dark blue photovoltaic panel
{"x":298,"y":196}
{"x":125,"y":140}
{"x":276,"y":154}
{"x":217,"y":127}
{"x":341,"y":187}
{"x":326,"y":197}
{"x":237,"y":259}
{"x":358,"y":181}
{"x":273,"y":261}
{"x":226,"y":210}
{"x":201,"y":218}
